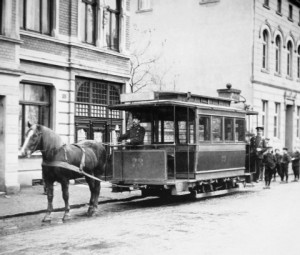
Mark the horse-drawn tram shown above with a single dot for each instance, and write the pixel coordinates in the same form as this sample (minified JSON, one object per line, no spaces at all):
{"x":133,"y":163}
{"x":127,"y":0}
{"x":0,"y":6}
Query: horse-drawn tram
{"x":192,"y":144}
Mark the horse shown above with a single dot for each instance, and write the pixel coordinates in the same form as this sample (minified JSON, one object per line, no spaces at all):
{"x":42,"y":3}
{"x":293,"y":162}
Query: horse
{"x":88,"y":155}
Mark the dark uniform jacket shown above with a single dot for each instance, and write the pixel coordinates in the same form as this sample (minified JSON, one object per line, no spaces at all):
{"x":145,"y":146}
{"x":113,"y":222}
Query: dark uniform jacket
{"x":258,"y":142}
{"x":269,"y":160}
{"x":286,"y":159}
{"x":278,"y":158}
{"x":135,"y":134}
{"x":296,"y":160}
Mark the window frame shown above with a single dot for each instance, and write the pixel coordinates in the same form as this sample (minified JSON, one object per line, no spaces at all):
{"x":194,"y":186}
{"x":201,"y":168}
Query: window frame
{"x":289,"y":60}
{"x":298,"y":62}
{"x":279,"y":7}
{"x":109,"y":25}
{"x":148,"y":6}
{"x":92,"y":108}
{"x":265,"y":49}
{"x":276,"y":130}
{"x":24,"y":20}
{"x":290,"y":13}
{"x":264,"y":117}
{"x":278,"y":52}
{"x":85,"y":23}
{"x":40,"y":104}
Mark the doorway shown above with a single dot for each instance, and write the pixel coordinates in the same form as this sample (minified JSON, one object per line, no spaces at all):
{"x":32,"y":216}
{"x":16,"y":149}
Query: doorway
{"x":289,"y":127}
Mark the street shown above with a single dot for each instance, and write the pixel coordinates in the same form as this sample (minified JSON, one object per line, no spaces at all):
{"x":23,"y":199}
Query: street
{"x":252,"y":221}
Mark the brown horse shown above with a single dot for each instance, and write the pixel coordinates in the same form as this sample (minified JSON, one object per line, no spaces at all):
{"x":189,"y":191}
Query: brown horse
{"x":87,"y":154}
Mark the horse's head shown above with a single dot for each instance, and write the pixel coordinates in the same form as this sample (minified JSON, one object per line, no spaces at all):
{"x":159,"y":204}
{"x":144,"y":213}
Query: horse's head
{"x":32,"y":140}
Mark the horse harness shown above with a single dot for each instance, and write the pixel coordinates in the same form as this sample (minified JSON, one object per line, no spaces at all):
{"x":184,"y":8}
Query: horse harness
{"x":82,"y":162}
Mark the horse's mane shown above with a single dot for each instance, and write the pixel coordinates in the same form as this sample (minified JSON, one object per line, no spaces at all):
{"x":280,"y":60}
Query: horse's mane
{"x":50,"y":139}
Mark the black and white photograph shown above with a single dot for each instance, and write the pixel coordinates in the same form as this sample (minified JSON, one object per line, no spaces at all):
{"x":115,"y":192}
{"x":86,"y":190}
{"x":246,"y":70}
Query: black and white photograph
{"x":149,"y":127}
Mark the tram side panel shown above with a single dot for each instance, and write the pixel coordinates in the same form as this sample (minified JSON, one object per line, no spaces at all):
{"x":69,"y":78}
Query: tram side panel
{"x":139,"y":166}
{"x":221,"y":161}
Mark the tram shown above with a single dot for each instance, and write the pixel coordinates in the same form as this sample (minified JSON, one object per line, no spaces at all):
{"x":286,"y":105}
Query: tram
{"x":193,"y":144}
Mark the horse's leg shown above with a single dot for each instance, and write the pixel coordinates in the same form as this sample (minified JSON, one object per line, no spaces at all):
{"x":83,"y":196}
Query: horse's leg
{"x":95,"y":191}
{"x":65,"y":194}
{"x":49,"y":186}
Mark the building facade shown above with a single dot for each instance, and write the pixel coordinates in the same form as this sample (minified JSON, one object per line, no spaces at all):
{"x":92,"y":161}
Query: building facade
{"x":62,"y":63}
{"x":203,"y":45}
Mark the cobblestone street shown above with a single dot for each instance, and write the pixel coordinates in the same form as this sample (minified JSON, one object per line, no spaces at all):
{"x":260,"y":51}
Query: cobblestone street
{"x":253,"y":221}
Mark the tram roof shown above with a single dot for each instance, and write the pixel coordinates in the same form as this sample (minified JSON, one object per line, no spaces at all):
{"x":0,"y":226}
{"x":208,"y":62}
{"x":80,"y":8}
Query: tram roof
{"x":156,"y":98}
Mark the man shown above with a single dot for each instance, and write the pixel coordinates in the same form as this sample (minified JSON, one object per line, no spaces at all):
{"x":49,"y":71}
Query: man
{"x":258,"y":145}
{"x":270,"y":165}
{"x":135,"y":135}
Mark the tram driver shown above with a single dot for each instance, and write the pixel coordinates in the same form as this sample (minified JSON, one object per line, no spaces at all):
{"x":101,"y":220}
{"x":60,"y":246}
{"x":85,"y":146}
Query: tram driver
{"x":135,"y":135}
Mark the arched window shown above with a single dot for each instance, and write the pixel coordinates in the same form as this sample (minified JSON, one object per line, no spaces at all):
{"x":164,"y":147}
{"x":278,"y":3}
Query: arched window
{"x":265,"y":53}
{"x":289,"y":58}
{"x":298,"y":62}
{"x":278,"y":54}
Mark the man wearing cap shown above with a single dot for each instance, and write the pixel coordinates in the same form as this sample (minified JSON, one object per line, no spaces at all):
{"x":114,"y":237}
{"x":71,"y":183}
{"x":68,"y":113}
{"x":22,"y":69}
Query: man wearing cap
{"x":270,"y":164}
{"x":135,"y":135}
{"x":258,"y":146}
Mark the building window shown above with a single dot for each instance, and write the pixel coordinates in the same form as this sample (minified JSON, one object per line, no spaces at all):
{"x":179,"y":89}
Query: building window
{"x":290,"y":17}
{"x":265,"y":53}
{"x":36,"y":15}
{"x":94,"y":96}
{"x":298,"y":62}
{"x":144,"y":5}
{"x":276,"y":120}
{"x":289,"y":58}
{"x":279,"y":5}
{"x":88,"y":20}
{"x":1,"y":15}
{"x":266,"y":3}
{"x":112,"y":24}
{"x":278,"y":54}
{"x":298,"y":122}
{"x":34,"y":106}
{"x":264,"y":114}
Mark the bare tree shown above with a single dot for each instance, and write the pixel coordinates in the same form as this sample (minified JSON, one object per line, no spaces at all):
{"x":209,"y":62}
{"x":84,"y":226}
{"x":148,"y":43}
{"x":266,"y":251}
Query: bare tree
{"x":142,"y":63}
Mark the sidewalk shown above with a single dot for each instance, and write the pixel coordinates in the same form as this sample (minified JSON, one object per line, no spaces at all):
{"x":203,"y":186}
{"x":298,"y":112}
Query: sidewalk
{"x":31,"y":200}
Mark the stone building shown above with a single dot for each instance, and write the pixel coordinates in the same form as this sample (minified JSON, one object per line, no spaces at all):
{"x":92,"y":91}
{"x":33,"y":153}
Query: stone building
{"x":62,"y":62}
{"x":202,"y":45}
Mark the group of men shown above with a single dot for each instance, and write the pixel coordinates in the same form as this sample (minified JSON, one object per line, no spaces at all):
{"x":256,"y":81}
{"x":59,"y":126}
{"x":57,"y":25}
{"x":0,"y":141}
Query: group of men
{"x":262,"y":159}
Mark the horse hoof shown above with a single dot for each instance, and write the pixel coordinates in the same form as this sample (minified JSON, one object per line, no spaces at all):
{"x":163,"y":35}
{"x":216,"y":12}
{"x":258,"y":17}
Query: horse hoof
{"x":66,"y":218}
{"x":46,"y":219}
{"x":91,"y":212}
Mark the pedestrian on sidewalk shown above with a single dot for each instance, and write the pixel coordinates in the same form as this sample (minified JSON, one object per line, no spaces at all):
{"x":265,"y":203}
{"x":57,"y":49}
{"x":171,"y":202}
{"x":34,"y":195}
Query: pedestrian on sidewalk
{"x":286,"y":159}
{"x":270,"y":165}
{"x":296,"y":163}
{"x":278,"y":169}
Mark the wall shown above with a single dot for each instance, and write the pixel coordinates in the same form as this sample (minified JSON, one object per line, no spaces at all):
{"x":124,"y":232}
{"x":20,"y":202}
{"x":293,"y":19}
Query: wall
{"x":205,"y":46}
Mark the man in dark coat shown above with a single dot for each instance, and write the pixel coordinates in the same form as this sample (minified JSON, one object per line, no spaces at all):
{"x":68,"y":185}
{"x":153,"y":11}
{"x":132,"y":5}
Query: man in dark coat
{"x":135,"y":135}
{"x":286,"y":159}
{"x":278,"y":157}
{"x":270,"y":164}
{"x":296,"y":164}
{"x":258,"y":146}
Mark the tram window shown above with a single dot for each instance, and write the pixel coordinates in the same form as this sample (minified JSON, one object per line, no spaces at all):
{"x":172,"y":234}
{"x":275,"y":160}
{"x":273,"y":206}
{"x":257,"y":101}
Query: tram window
{"x":204,"y":128}
{"x":168,"y":131}
{"x":182,"y":131}
{"x":192,"y":135}
{"x":217,"y":129}
{"x":228,"y":129}
{"x":240,"y":130}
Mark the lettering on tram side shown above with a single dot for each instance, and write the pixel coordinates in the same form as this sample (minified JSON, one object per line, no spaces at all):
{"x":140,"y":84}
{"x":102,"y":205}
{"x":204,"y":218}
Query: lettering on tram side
{"x":223,"y":158}
{"x":137,"y":162}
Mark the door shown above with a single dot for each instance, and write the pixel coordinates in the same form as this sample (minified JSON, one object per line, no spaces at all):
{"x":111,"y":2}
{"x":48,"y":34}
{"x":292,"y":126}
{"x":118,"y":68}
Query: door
{"x":289,"y":127}
{"x":91,"y":130}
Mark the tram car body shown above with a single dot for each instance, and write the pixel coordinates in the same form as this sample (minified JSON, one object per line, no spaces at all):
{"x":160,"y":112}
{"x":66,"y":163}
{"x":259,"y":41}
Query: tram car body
{"x":192,"y":144}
